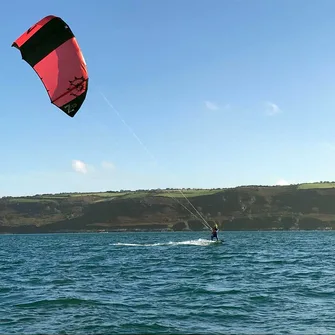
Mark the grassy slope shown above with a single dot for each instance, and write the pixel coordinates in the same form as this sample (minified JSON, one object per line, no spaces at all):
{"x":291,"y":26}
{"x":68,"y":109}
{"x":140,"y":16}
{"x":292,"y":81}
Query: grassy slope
{"x":107,"y":195}
{"x":189,"y":193}
{"x":308,"y":186}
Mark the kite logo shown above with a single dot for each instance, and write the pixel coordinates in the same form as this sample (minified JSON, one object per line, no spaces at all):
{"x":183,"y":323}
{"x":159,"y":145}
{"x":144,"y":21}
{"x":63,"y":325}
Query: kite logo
{"x":77,"y":86}
{"x":77,"y":83}
{"x":69,"y":108}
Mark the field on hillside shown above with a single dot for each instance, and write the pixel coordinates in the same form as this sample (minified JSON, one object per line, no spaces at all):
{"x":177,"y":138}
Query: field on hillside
{"x":106,"y":195}
{"x":175,"y":193}
{"x":308,"y":186}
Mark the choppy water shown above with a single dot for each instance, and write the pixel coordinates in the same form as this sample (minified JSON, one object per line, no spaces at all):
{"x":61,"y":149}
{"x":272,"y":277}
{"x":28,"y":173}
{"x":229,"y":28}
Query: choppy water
{"x":256,"y":282}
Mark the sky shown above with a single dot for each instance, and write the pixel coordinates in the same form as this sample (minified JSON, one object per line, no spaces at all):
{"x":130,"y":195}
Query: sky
{"x":192,"y":93}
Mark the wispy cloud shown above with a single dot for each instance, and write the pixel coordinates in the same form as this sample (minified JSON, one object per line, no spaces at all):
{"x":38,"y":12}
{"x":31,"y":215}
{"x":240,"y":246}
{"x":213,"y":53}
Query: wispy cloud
{"x":211,"y":105}
{"x":282,"y":182}
{"x":84,"y":168}
{"x":271,"y":109}
{"x":79,"y":166}
{"x":107,"y":165}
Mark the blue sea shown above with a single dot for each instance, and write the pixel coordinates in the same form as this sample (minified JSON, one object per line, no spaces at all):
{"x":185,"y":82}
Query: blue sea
{"x":168,"y":283}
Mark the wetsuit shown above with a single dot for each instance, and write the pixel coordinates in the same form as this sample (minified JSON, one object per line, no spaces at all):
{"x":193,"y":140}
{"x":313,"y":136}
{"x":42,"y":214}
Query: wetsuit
{"x":214,"y":233}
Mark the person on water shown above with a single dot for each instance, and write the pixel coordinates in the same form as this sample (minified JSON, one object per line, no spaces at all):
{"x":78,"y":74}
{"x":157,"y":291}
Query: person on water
{"x":215,"y":230}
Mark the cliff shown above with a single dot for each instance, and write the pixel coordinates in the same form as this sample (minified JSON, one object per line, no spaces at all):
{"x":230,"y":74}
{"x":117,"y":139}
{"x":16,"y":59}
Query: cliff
{"x":304,"y":206}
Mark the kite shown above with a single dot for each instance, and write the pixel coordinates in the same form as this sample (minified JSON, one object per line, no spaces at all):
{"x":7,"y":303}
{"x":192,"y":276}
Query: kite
{"x":51,"y":49}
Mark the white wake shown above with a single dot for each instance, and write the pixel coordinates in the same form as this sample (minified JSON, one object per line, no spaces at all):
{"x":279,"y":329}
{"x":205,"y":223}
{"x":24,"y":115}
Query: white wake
{"x":200,"y":242}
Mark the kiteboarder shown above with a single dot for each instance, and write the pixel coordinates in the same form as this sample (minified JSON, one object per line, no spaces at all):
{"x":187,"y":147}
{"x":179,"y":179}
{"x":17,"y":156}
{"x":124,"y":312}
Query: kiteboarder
{"x":215,"y":230}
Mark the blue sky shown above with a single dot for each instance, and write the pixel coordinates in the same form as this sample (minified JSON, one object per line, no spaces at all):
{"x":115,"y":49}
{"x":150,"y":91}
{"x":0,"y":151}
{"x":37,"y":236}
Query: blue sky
{"x":217,"y":94}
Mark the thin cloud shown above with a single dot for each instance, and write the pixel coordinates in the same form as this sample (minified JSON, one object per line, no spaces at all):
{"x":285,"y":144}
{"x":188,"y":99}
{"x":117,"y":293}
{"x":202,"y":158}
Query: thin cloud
{"x":84,"y":168}
{"x":211,"y":105}
{"x":107,"y":165}
{"x":271,"y":109}
{"x":79,"y":166}
{"x":282,"y":182}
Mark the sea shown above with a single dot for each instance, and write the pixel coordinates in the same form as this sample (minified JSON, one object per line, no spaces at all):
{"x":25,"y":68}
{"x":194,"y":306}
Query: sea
{"x":273,"y":282}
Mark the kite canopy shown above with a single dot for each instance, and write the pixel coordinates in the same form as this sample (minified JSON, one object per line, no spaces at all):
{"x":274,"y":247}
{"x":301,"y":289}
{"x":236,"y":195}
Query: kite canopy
{"x":51,"y":49}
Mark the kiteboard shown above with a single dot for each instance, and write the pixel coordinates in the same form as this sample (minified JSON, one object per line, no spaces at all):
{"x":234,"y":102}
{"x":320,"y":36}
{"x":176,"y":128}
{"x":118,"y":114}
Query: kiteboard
{"x":218,"y":242}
